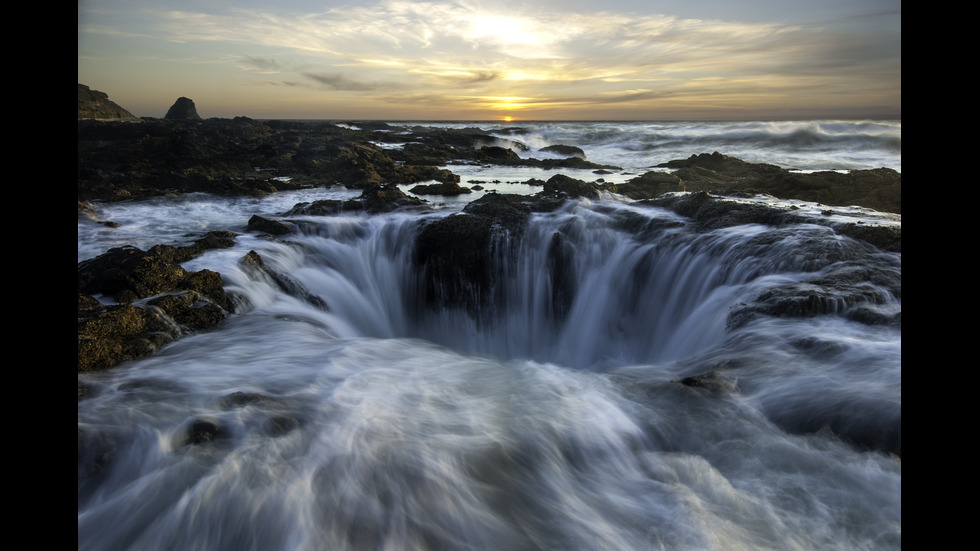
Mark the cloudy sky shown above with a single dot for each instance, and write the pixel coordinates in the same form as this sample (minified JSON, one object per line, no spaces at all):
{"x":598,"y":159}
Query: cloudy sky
{"x":491,"y":59}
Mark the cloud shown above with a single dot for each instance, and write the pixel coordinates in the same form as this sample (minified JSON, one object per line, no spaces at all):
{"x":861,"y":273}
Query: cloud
{"x":261,"y":64}
{"x":340,"y":82}
{"x":393,"y":50}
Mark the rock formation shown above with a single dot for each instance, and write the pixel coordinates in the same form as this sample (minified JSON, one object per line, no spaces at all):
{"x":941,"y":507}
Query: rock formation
{"x":183,"y":110}
{"x":153,"y":301}
{"x":93,"y":104}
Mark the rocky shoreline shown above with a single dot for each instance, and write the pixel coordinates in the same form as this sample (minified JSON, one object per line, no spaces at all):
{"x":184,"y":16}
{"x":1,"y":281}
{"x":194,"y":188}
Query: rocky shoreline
{"x":155,"y":301}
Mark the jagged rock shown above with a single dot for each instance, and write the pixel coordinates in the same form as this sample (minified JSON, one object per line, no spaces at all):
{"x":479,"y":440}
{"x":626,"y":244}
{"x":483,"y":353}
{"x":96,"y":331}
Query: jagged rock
{"x":190,"y":309}
{"x":848,"y":288}
{"x":120,"y":332}
{"x":451,"y":188}
{"x":216,"y":239}
{"x":386,"y":198}
{"x":572,"y":187}
{"x":325,"y":207}
{"x":93,"y":104}
{"x":178,"y":302}
{"x":183,"y":110}
{"x":497,"y":153}
{"x":649,"y":185}
{"x":710,"y":212}
{"x":265,"y":225}
{"x":126,"y":274}
{"x":457,"y":253}
{"x":879,"y":189}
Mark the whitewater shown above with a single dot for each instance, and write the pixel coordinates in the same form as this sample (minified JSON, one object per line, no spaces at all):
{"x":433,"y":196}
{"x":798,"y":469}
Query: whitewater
{"x":623,"y":410}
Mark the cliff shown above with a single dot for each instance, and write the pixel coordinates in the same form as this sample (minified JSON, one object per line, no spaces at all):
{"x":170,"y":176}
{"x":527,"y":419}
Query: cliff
{"x":93,"y":104}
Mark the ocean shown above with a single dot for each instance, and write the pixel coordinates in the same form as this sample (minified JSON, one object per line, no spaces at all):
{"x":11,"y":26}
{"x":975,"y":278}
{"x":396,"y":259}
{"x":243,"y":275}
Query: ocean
{"x":639,"y":418}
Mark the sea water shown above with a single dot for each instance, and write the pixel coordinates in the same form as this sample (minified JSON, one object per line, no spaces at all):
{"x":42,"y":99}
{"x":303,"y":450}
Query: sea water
{"x":377,"y":423}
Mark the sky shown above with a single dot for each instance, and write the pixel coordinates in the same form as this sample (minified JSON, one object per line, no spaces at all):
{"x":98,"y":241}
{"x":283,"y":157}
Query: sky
{"x":497,"y":59}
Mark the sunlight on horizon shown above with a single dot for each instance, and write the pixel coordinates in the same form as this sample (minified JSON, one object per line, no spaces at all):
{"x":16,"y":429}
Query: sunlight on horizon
{"x":457,"y":59}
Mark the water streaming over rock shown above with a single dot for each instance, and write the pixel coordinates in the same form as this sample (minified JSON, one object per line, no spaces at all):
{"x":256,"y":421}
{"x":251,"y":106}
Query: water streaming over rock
{"x":562,"y":420}
{"x":624,"y":386}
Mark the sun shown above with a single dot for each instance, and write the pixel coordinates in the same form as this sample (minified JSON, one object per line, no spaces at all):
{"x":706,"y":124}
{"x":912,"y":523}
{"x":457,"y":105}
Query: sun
{"x":507,"y":118}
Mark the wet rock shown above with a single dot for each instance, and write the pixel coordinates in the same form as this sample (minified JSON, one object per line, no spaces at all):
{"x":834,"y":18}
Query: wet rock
{"x":711,"y":380}
{"x":709,"y":212}
{"x":571,"y":187}
{"x":387,"y":198}
{"x":261,"y":224}
{"x":561,"y":271}
{"x":113,"y":334}
{"x":191,"y":310}
{"x":851,"y":289}
{"x":498,"y":154}
{"x":158,"y":302}
{"x":879,"y":189}
{"x":204,"y":430}
{"x":450,"y":189}
{"x":127,"y":274}
{"x":649,"y":185}
{"x":217,"y":239}
{"x":458,"y":254}
{"x":253,"y":262}
{"x":567,"y":150}
{"x":278,"y":425}
{"x":325,"y":207}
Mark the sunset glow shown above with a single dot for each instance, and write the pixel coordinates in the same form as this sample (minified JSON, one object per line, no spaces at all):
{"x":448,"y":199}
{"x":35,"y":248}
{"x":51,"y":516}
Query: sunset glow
{"x":446,"y":59}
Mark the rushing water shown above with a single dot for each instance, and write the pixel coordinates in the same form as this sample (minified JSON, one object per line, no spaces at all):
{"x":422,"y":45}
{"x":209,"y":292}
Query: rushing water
{"x":557,"y":422}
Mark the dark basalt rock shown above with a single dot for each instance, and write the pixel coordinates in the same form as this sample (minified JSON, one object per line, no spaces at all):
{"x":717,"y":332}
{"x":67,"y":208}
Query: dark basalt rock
{"x":325,"y":207}
{"x":117,"y":333}
{"x":571,"y":187}
{"x":217,"y":239}
{"x":183,"y":110}
{"x":240,"y":156}
{"x":851,"y":289}
{"x":204,"y":430}
{"x":126,"y":274}
{"x":254,"y":263}
{"x":650,"y":185}
{"x":387,"y":198}
{"x":710,"y":212}
{"x":458,"y":254}
{"x":440,"y":189}
{"x":568,"y":150}
{"x":879,"y":189}
{"x":177,"y":302}
{"x":265,"y":225}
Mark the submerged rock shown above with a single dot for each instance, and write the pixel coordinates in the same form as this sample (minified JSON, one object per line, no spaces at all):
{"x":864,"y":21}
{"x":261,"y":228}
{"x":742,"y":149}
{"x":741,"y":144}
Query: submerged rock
{"x":852,"y":289}
{"x":253,"y":263}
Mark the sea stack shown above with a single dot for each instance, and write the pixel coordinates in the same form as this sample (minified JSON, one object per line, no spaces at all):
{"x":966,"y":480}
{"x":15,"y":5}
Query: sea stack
{"x":183,"y":109}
